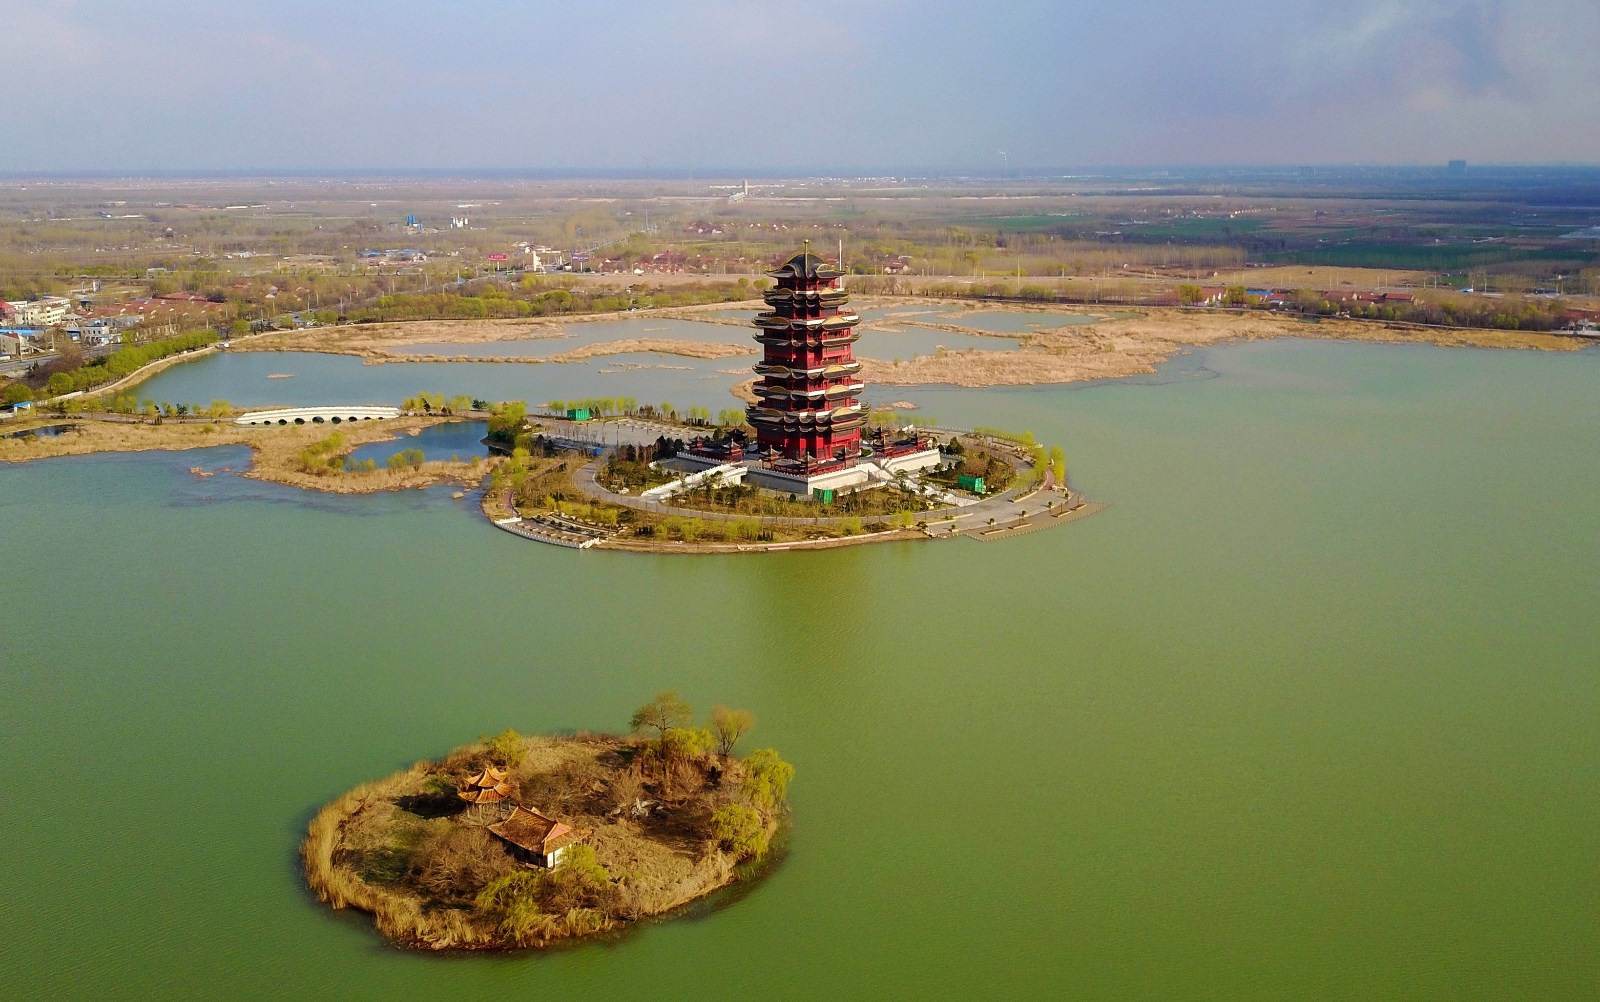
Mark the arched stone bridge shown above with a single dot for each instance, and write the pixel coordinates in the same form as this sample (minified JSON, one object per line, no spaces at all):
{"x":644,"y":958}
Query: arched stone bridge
{"x":318,"y":415}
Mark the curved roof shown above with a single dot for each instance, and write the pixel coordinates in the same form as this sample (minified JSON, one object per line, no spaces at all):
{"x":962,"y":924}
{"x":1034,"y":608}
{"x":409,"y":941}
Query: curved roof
{"x":487,"y":787}
{"x":490,"y":776}
{"x":485,"y":795}
{"x":806,"y":265}
{"x":533,"y":831}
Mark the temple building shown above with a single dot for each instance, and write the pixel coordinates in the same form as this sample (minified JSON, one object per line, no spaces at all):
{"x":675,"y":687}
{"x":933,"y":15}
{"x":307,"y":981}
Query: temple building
{"x":485,"y":791}
{"x":808,"y":417}
{"x":534,"y":838}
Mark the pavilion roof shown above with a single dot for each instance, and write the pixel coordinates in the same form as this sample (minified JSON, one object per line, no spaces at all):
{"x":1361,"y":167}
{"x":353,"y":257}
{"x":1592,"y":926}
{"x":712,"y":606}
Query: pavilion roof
{"x":490,"y":776}
{"x":485,"y":794}
{"x":490,"y":786}
{"x":534,"y":832}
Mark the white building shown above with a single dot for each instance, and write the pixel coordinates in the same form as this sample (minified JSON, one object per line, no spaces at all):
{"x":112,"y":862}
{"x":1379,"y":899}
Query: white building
{"x":47,"y":311}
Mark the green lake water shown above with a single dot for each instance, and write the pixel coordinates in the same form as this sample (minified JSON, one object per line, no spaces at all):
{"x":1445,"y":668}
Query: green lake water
{"x":1311,"y":711}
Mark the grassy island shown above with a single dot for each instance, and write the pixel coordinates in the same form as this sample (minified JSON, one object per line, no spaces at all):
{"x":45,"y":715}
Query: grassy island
{"x":312,"y":457}
{"x":523,"y":841}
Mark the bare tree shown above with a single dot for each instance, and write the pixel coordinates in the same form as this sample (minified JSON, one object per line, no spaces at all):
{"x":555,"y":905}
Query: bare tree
{"x":728,"y":726}
{"x":666,"y":711}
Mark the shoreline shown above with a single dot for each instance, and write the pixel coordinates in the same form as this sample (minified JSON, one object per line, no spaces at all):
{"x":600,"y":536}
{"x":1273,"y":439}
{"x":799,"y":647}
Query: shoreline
{"x":274,"y":451}
{"x":1118,"y":343}
{"x":1137,"y":343}
{"x":1121,"y":342}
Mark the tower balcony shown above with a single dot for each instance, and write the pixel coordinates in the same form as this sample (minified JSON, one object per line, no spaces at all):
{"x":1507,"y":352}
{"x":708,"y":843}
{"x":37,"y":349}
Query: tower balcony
{"x":777,"y":322}
{"x":812,"y":338}
{"x":806,"y":394}
{"x":824,"y":297}
{"x":837,"y":418}
{"x":829,"y":370}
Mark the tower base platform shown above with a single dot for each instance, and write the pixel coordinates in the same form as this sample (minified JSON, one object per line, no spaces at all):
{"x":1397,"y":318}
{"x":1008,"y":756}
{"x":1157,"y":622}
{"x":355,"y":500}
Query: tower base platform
{"x":850,"y":476}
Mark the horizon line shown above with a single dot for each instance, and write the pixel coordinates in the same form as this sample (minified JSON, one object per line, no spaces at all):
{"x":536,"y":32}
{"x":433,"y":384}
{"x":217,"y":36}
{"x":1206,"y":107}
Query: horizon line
{"x":1022,"y":173}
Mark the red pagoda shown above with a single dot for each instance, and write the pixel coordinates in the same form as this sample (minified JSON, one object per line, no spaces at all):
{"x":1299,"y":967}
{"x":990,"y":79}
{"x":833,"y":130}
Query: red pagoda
{"x":808,"y":419}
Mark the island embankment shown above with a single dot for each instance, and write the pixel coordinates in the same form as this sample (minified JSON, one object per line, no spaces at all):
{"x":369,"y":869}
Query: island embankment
{"x":1136,"y":342}
{"x":383,"y":342}
{"x":1127,"y":342}
{"x":299,"y":456}
{"x":519,"y":842}
{"x":624,"y":346}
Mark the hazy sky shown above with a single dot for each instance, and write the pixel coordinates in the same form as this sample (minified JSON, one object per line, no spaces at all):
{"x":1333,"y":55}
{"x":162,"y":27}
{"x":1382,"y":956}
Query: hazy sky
{"x":810,"y":85}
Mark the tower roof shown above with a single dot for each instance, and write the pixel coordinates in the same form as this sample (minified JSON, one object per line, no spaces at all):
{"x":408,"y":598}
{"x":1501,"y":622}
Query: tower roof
{"x":806,"y":265}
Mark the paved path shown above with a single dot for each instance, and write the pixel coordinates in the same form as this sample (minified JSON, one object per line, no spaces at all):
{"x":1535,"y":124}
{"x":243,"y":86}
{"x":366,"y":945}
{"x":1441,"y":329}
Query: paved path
{"x":1006,"y":507}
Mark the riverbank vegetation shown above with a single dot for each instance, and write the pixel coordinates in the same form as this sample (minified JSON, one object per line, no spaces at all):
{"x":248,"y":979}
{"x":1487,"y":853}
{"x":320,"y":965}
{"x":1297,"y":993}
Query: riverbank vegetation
{"x":654,"y":819}
{"x":544,"y":296}
{"x":532,"y":483}
{"x":887,"y":501}
{"x":70,"y":372}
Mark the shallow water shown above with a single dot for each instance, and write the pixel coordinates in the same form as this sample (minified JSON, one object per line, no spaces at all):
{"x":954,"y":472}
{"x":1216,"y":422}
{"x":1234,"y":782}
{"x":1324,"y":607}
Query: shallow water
{"x":1311,"y":711}
{"x":909,"y":342}
{"x":241,"y":379}
{"x":1016,"y":322}
{"x":462,"y":439}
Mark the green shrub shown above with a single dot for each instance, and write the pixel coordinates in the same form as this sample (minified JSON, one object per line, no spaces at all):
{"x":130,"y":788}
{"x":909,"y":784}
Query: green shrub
{"x":507,"y":748}
{"x":739,"y":830}
{"x":766,"y":779}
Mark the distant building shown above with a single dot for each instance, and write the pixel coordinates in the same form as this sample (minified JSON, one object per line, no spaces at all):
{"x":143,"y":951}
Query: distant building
{"x":14,"y":343}
{"x":46,"y":311}
{"x":103,"y":330}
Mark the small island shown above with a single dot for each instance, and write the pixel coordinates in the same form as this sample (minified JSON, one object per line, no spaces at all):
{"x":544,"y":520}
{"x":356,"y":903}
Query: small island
{"x":518,"y":842}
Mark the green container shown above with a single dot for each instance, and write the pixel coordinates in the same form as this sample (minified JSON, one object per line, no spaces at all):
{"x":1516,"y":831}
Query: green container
{"x":973,"y":484}
{"x":578,"y":414}
{"x":825,"y":496}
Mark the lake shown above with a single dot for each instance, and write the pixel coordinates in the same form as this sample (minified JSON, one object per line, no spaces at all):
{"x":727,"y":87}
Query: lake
{"x":316,"y":379}
{"x":461,"y":440}
{"x":1311,"y":711}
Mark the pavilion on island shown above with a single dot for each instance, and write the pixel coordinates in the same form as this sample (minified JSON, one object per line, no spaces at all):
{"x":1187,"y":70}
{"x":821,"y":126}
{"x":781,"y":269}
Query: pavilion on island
{"x":485,"y":791}
{"x":534,"y":838}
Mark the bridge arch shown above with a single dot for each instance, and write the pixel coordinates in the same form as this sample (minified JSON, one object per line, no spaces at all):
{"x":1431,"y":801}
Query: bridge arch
{"x":317,"y":415}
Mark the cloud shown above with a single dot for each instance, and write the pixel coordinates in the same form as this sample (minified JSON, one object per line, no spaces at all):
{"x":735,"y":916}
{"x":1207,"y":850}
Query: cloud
{"x":831,"y":84}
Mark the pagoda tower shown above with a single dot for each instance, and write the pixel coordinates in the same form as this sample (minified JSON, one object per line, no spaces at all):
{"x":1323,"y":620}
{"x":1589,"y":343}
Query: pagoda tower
{"x":808,"y":419}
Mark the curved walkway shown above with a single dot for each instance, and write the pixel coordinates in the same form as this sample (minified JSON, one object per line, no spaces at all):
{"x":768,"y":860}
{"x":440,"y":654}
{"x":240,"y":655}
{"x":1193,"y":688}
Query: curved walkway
{"x":1001,"y":507}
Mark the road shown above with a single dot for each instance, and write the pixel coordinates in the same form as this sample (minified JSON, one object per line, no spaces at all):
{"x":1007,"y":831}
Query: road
{"x":16,"y":367}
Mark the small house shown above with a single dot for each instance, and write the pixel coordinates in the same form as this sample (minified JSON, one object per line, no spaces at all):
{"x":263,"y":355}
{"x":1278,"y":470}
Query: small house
{"x":534,"y":838}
